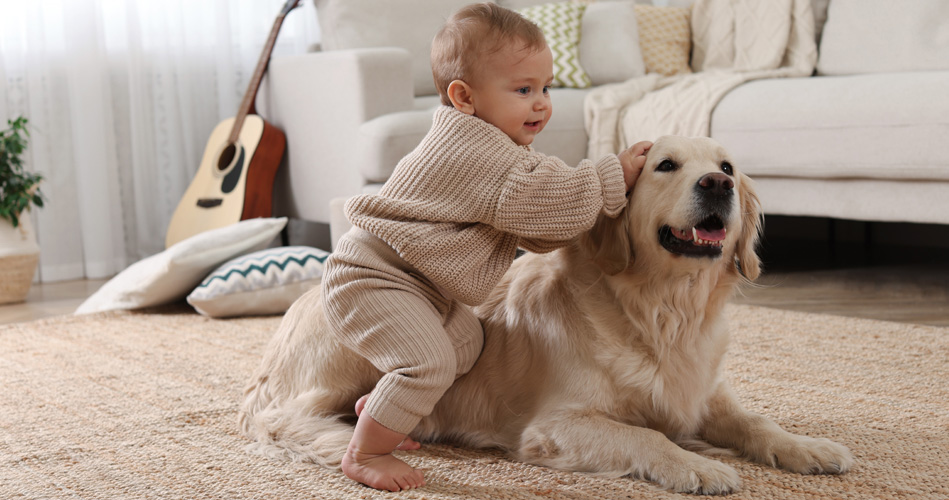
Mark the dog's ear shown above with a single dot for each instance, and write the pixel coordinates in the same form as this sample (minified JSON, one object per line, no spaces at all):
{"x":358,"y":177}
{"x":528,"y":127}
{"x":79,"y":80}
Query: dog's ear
{"x":752,"y":221}
{"x":607,"y":243}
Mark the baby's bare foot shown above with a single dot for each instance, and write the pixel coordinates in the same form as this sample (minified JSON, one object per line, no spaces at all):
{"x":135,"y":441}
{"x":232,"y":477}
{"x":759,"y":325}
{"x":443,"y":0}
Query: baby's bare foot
{"x":382,"y":472}
{"x":407,"y":444}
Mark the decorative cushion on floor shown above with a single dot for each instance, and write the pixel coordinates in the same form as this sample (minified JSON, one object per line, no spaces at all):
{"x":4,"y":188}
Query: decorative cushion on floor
{"x":561,"y":25}
{"x":264,"y":282}
{"x":169,"y":276}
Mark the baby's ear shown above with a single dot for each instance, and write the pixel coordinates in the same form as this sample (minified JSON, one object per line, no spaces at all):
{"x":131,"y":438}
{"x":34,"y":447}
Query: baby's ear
{"x":459,"y":93}
{"x":607,"y":243}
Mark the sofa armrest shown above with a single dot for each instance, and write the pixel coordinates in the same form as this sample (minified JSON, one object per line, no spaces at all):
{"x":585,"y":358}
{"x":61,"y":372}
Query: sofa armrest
{"x":320,"y":100}
{"x":388,"y":138}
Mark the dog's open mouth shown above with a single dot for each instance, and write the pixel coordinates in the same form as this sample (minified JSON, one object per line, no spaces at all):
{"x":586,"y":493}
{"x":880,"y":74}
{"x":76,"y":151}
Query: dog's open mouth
{"x":705,"y":239}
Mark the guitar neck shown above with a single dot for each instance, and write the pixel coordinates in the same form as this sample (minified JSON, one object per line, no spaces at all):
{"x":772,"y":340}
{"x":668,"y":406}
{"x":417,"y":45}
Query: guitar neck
{"x":247,"y":104}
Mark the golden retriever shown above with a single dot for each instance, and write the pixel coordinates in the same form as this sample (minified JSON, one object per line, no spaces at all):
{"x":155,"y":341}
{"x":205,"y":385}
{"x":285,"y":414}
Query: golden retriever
{"x":605,"y":356}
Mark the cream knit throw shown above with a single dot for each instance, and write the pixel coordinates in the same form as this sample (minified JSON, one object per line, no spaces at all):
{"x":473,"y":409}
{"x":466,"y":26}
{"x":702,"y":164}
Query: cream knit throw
{"x":733,"y":41}
{"x":458,"y":207}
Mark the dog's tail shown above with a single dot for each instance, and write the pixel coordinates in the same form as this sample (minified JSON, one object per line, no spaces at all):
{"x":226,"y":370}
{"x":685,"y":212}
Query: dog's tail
{"x":288,"y":430}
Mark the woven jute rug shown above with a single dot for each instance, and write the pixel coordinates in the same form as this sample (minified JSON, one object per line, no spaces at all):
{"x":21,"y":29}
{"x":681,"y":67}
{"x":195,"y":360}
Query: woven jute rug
{"x":143,"y":405}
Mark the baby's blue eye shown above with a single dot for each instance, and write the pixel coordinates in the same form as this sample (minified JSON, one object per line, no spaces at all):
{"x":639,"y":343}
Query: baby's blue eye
{"x":524,"y":90}
{"x":546,"y":88}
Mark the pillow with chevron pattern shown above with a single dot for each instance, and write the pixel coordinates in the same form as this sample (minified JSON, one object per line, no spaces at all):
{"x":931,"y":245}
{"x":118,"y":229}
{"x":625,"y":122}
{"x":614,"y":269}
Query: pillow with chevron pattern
{"x":260,"y":283}
{"x":561,"y":25}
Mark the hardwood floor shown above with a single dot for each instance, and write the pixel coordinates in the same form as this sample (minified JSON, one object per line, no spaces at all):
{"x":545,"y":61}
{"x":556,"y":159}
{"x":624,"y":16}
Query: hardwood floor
{"x":904,"y":284}
{"x":905,"y":293}
{"x":49,"y":299}
{"x":841,"y":275}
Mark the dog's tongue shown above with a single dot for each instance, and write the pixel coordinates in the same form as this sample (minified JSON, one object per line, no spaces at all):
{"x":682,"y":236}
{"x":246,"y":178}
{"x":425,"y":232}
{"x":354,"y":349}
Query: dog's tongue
{"x":710,"y":235}
{"x":707,"y":235}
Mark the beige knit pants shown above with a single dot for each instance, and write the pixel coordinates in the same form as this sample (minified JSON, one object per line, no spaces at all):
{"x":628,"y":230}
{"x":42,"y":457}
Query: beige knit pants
{"x":383,"y":309}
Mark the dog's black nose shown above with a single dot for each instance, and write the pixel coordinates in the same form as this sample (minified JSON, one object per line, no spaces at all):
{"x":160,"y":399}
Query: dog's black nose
{"x":716,"y":183}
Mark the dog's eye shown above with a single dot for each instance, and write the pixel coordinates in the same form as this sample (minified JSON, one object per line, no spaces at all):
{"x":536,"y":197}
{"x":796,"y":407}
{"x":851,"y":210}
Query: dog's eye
{"x":727,"y":168}
{"x":666,"y":166}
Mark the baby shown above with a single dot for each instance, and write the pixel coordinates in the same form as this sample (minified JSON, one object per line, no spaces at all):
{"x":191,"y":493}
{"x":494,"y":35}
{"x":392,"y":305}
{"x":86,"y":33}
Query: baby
{"x":446,"y":226}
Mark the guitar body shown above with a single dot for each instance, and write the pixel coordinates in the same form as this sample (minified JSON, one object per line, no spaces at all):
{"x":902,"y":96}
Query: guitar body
{"x":234,"y":182}
{"x":235,"y":179}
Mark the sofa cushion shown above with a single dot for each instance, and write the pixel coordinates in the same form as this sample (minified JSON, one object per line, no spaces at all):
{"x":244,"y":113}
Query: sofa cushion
{"x":881,"y":126}
{"x":521,"y":4}
{"x":609,"y":42}
{"x":665,"y":38}
{"x":819,"y":7}
{"x":871,"y":36}
{"x":609,"y":38}
{"x":820,"y":17}
{"x":409,"y":24}
{"x":386,"y":139}
{"x":561,"y":23}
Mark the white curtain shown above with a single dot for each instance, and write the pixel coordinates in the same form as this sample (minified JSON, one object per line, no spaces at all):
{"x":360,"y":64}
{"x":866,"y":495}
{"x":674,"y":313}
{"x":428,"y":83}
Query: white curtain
{"x":121,"y":96}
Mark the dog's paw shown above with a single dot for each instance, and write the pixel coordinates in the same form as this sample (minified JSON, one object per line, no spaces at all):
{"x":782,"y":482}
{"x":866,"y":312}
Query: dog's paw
{"x":698,"y":475}
{"x":807,"y":455}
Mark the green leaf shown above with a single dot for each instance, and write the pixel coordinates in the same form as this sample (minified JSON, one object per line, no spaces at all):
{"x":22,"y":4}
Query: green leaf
{"x":18,"y":187}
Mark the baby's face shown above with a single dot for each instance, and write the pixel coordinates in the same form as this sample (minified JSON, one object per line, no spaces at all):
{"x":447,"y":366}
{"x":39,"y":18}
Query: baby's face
{"x":511,"y":92}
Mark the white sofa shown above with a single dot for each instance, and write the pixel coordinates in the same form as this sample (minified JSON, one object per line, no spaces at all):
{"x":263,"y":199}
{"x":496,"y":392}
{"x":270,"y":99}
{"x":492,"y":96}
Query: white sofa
{"x":864,"y":139}
{"x":867,"y":138}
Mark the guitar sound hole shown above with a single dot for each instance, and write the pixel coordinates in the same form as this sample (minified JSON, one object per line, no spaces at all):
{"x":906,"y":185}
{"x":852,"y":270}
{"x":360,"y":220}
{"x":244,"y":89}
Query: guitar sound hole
{"x":227,"y":156}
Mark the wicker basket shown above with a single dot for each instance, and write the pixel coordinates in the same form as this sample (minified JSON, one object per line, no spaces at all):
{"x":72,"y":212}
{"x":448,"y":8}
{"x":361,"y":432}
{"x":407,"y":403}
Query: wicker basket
{"x":16,"y":276}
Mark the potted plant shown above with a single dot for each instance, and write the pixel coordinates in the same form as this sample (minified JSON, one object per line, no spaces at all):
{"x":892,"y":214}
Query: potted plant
{"x":19,"y":190}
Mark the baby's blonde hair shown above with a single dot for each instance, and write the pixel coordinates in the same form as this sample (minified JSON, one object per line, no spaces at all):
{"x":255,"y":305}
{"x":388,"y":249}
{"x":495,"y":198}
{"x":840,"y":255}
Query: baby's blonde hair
{"x":473,"y":32}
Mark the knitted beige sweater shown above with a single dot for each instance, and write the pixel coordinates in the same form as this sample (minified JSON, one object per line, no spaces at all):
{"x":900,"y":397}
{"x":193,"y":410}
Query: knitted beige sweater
{"x":458,"y":206}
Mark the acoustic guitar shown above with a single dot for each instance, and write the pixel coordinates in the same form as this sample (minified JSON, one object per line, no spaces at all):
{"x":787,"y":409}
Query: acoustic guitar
{"x":235,"y":179}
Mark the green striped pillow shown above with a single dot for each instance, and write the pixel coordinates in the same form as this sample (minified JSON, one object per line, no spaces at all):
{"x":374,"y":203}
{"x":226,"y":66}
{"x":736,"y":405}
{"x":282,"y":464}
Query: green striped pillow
{"x":561,"y":25}
{"x":264,"y":282}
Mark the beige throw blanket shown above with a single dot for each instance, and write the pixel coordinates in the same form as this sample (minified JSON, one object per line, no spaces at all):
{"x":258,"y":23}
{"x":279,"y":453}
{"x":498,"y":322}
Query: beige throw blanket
{"x":733,"y":41}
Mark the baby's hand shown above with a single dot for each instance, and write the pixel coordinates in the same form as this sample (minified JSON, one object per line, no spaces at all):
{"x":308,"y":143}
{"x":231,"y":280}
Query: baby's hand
{"x":633,"y":160}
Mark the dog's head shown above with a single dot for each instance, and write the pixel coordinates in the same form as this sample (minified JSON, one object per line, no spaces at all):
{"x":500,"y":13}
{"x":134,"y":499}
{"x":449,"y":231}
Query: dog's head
{"x":690,"y":205}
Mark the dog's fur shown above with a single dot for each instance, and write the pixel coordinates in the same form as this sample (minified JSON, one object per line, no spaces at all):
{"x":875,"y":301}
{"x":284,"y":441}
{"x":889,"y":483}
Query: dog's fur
{"x":605,"y":356}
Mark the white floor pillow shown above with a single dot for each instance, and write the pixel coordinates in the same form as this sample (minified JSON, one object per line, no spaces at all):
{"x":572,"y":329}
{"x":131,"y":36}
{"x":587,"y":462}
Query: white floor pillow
{"x":170,"y":275}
